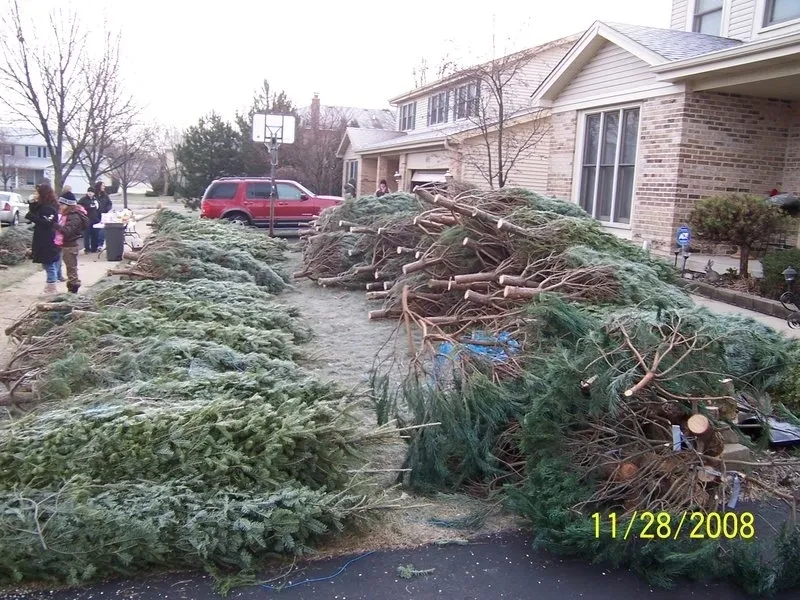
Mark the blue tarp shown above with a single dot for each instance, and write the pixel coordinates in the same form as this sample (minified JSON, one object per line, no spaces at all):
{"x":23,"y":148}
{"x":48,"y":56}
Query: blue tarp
{"x":502,"y":347}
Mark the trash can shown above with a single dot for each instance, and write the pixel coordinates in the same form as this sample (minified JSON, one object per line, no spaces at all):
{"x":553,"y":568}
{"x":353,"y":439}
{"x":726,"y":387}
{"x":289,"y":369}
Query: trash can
{"x":115,"y":240}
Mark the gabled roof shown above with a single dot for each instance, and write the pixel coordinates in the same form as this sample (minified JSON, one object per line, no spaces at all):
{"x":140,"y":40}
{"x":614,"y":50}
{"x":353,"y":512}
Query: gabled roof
{"x":360,"y":138}
{"x":650,"y":44}
{"x":464,"y":73}
{"x":366,"y":118}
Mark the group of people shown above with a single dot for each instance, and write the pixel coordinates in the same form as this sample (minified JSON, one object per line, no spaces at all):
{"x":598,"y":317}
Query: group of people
{"x":59,"y":226}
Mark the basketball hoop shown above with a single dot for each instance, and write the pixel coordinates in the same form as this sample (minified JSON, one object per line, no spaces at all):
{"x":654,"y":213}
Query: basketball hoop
{"x":272,"y":131}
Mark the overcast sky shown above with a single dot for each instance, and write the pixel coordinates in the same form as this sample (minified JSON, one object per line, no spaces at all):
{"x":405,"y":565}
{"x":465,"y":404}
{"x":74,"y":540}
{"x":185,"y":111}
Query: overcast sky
{"x":184,"y":58}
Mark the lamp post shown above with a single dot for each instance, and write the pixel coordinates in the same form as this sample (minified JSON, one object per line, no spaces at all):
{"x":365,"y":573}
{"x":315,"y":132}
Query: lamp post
{"x":685,"y":254}
{"x":397,"y":178}
{"x":790,"y":275}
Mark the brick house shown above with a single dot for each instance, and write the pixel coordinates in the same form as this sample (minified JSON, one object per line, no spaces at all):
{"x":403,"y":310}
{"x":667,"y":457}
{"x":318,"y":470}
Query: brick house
{"x":441,"y":126}
{"x":710,"y":106}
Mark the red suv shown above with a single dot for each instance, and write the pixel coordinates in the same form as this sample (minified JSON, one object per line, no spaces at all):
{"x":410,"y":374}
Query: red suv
{"x":245,"y":200}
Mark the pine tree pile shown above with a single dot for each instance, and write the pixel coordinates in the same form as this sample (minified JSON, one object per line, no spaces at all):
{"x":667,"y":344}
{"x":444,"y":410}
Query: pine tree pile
{"x":561,"y":363}
{"x":165,"y":424}
{"x":15,"y":244}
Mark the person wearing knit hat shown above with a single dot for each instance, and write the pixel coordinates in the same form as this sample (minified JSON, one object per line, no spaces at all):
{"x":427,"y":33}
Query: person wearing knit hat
{"x":66,"y":192}
{"x":72,"y":223}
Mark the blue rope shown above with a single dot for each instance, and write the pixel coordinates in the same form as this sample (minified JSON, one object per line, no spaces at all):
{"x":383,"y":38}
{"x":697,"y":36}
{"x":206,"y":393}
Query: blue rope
{"x":277,"y":588}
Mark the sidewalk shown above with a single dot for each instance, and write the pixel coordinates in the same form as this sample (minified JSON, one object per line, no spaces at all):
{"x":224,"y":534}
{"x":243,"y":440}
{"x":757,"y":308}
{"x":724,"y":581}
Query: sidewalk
{"x":728,"y":309}
{"x":19,"y":297}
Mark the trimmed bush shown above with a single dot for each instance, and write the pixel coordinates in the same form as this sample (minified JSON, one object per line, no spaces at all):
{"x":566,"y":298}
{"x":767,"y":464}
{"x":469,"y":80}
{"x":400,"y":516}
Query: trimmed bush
{"x":773,"y":284}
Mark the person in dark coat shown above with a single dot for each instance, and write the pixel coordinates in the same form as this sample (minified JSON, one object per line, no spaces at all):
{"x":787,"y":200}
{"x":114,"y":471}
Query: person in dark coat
{"x":91,"y":238}
{"x":43,"y":213}
{"x":104,"y":201}
{"x":71,"y":225}
{"x":383,"y":189}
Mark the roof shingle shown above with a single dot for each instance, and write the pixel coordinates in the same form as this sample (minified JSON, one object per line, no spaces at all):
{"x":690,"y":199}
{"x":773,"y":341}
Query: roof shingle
{"x":673,"y":44}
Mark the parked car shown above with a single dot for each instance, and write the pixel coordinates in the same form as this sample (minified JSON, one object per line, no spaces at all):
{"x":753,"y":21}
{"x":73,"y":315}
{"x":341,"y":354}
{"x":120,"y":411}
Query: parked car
{"x":11,"y":207}
{"x":246,"y":200}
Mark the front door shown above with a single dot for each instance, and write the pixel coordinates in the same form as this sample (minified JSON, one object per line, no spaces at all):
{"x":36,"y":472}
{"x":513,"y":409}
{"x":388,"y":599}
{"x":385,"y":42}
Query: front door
{"x":293,"y":209}
{"x":257,"y":201}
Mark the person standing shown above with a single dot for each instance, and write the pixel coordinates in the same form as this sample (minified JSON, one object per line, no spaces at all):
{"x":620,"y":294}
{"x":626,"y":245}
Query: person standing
{"x":72,"y":222}
{"x":92,"y":207}
{"x":104,"y":202}
{"x":43,"y":213}
{"x":383,"y":189}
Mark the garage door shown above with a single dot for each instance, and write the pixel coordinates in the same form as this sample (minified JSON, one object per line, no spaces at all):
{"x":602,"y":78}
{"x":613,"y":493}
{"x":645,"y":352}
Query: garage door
{"x":422,"y":177}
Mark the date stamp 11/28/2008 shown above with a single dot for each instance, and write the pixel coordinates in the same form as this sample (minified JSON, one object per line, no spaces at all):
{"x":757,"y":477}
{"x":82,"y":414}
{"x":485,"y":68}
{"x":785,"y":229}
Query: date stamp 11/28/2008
{"x":665,"y":526}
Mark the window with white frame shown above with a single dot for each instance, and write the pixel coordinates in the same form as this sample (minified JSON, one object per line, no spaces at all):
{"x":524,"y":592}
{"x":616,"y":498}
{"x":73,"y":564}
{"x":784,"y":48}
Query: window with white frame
{"x":351,"y":169}
{"x":466,"y":102}
{"x":438,"y":106}
{"x":608,"y":164}
{"x":780,"y":11}
{"x":37,"y":152}
{"x":408,"y":116}
{"x":708,"y":17}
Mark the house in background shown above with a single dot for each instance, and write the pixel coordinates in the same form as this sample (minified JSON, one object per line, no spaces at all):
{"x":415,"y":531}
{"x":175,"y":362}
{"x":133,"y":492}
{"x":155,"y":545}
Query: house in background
{"x":439,"y":130}
{"x":25,"y":161}
{"x":647,"y":121}
{"x":321,"y":129}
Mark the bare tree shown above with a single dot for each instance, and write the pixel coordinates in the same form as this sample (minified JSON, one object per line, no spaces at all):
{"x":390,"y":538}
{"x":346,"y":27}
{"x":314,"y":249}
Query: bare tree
{"x":447,"y":66}
{"x":315,"y":152}
{"x":108,"y":116}
{"x":491,"y":98}
{"x":50,"y":84}
{"x":166,"y":140}
{"x":7,"y":161}
{"x":134,"y":155}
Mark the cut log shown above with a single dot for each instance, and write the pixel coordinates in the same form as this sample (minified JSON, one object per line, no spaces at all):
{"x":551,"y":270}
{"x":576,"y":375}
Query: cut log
{"x":128,"y":255}
{"x":514,"y":280}
{"x":700,"y":426}
{"x":378,"y":285}
{"x":424,"y":194}
{"x":477,"y":298}
{"x":361,"y":229}
{"x":363,"y":270}
{"x":514,"y":292}
{"x":448,"y":220}
{"x":626,"y":472}
{"x":330,"y":281}
{"x":377,"y":295}
{"x":387,"y":285}
{"x":383,"y":314}
{"x":53,"y":307}
{"x":348,"y":224}
{"x":475,"y":285}
{"x":420,"y":265}
{"x":404,"y":250}
{"x":300,"y":274}
{"x":475,"y":277}
{"x":306,"y":232}
{"x":586,"y":385}
{"x":453,"y":205}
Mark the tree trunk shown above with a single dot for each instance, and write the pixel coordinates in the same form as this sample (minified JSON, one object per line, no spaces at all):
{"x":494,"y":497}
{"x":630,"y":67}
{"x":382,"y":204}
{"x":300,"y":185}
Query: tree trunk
{"x":124,"y":195}
{"x":744,"y":260}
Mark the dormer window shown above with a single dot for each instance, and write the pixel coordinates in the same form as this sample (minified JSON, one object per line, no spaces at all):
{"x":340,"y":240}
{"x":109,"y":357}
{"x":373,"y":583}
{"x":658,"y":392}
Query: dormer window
{"x":408,"y":116}
{"x":708,"y":17}
{"x":438,"y":106}
{"x":780,"y":11}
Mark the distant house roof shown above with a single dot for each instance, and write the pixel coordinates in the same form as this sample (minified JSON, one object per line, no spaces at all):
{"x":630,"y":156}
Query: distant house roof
{"x":366,"y":118}
{"x":360,"y":138}
{"x":673,"y":44}
{"x":20,"y":136}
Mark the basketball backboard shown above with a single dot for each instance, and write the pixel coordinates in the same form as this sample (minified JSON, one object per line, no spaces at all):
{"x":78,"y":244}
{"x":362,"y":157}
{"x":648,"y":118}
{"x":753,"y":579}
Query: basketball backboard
{"x":280,"y":127}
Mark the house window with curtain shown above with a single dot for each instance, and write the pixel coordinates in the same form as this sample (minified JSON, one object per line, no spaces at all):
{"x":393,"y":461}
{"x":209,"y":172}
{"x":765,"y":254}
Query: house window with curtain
{"x":708,"y":17}
{"x":780,"y":11}
{"x":608,"y":164}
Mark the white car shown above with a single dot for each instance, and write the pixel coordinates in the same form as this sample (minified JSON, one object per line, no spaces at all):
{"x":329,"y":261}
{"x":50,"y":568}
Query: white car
{"x":12,"y":208}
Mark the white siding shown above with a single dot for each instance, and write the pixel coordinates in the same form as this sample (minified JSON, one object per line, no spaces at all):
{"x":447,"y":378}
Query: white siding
{"x":680,"y":14}
{"x":740,"y":26}
{"x":441,"y":159}
{"x":421,"y":121}
{"x":517,"y":93}
{"x":611,"y":72}
{"x":529,"y":170}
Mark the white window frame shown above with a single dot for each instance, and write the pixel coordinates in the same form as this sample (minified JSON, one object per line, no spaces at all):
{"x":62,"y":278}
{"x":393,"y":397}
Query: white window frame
{"x":470,"y":103}
{"x":350,"y":171}
{"x":445,"y":96}
{"x":726,"y":16}
{"x":760,"y":26}
{"x":408,"y":116}
{"x":41,"y":152}
{"x":577,"y":171}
